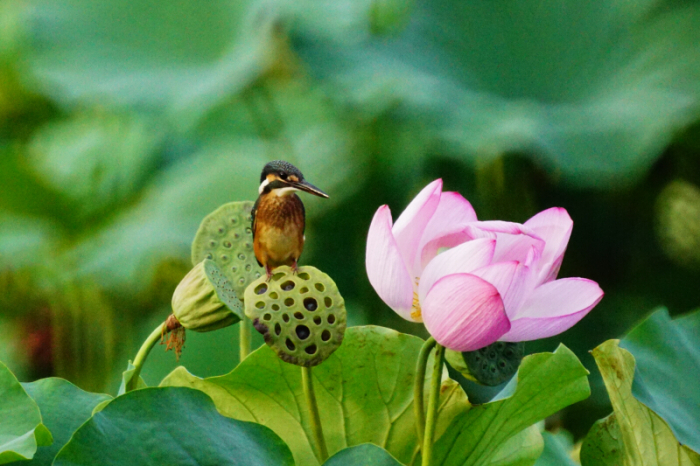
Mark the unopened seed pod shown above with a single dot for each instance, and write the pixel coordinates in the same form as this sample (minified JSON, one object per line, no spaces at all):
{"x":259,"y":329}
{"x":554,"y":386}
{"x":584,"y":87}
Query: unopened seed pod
{"x":205,"y":301}
{"x":491,"y":365}
{"x":301,"y":315}
{"x":225,"y":237}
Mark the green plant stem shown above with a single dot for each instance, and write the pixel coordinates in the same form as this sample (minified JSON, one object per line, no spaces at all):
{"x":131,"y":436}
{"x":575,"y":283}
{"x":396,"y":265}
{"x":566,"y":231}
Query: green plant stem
{"x":244,"y":338}
{"x":308,"y":384}
{"x":418,"y":384}
{"x":433,"y":401}
{"x":141,"y":356}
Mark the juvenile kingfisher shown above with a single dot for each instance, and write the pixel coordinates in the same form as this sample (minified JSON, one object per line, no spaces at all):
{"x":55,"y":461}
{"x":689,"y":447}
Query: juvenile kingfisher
{"x":279,"y":216}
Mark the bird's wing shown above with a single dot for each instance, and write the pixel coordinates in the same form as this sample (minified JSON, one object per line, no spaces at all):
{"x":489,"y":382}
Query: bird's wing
{"x":252,"y":224}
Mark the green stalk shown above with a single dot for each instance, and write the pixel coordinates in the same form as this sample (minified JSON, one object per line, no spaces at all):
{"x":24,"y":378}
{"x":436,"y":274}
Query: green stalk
{"x":308,"y":384}
{"x":433,"y":402}
{"x":141,"y":356}
{"x":418,"y":384}
{"x":244,"y":338}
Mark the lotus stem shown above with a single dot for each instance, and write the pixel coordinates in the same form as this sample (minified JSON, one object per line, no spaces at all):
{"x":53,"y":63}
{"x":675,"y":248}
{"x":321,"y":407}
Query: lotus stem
{"x":419,"y":384}
{"x":433,"y":401}
{"x":142,"y":355}
{"x":244,"y":338}
{"x":308,"y":384}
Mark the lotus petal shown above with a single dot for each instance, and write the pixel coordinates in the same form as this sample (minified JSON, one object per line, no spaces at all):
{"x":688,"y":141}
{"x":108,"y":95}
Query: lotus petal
{"x":464,"y":312}
{"x":385,"y":267}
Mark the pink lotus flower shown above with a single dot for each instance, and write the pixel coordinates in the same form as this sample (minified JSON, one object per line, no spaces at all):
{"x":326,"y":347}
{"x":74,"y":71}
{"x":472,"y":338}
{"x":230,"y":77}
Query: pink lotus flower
{"x":497,"y":280}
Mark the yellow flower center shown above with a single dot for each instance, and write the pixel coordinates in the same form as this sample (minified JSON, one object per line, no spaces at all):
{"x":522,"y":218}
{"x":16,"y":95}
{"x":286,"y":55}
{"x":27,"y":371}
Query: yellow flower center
{"x":415,"y":308}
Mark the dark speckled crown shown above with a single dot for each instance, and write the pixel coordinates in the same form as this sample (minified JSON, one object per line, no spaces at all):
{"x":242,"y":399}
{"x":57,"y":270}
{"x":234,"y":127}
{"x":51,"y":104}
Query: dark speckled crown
{"x":280,"y":166}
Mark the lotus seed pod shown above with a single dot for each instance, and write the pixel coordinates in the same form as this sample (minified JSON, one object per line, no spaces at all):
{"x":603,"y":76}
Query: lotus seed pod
{"x":491,"y":365}
{"x":205,"y":301}
{"x":301,"y":315}
{"x":225,"y":236}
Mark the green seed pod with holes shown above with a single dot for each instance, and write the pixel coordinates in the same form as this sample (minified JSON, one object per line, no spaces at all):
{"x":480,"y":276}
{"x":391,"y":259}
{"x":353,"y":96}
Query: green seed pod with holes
{"x":491,"y":365}
{"x":225,"y":237}
{"x":205,"y":301}
{"x":301,"y":315}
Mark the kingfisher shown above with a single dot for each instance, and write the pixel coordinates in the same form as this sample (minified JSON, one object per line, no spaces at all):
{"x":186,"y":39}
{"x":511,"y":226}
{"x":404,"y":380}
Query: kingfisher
{"x":278,"y":216}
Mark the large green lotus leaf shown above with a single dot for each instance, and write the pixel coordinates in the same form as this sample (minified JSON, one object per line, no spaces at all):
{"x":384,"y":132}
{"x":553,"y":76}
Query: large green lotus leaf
{"x":95,"y":159}
{"x":362,"y":455}
{"x":64,"y":407}
{"x":557,"y":450}
{"x":593,"y":91}
{"x":667,"y":353}
{"x":522,"y":449}
{"x":22,"y":429}
{"x":646,"y":437}
{"x":364,"y":392}
{"x":603,"y":445}
{"x":179,"y":56}
{"x":546,"y":383}
{"x":170,"y":426}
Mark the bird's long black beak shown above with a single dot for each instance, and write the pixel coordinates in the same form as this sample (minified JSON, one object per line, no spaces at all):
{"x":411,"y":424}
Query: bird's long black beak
{"x":309,"y":188}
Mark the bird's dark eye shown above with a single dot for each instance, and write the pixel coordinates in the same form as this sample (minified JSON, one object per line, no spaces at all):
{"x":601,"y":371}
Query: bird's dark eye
{"x":283,"y":175}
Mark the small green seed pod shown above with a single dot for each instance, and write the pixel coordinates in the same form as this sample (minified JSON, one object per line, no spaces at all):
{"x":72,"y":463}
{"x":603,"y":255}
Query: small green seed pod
{"x":205,"y":301}
{"x":491,"y":365}
{"x":301,"y":316}
{"x":225,"y":237}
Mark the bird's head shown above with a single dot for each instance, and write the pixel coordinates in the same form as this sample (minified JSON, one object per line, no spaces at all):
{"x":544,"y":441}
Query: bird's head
{"x":282,"y":178}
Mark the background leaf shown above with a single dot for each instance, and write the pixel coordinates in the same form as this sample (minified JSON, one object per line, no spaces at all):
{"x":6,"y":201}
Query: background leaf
{"x":646,"y":437}
{"x":174,"y":426}
{"x":603,"y":445}
{"x":137,"y":54}
{"x":364,"y":392}
{"x":537,"y":79}
{"x":557,"y":450}
{"x":21,"y":429}
{"x":64,"y":407}
{"x":667,"y":355}
{"x":546,"y":383}
{"x":95,"y":159}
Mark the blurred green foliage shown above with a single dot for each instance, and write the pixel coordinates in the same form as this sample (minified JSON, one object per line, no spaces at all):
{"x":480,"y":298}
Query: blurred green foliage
{"x":123,"y":123}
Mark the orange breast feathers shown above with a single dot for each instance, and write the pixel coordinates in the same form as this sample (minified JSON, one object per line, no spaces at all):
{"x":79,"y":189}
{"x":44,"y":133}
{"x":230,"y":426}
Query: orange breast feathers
{"x":279,"y":230}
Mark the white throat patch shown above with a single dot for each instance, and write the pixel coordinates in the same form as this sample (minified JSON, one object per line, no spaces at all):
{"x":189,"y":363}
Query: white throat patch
{"x":262,"y":186}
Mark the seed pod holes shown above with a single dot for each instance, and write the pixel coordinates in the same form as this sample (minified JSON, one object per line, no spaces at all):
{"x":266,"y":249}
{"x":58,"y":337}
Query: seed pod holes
{"x":225,"y":237}
{"x":491,"y":365}
{"x":301,"y":315}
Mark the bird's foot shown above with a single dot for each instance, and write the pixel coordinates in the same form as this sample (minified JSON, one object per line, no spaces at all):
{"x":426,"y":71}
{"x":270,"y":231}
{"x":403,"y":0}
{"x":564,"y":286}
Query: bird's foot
{"x":268,"y":271}
{"x":295,"y":268}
